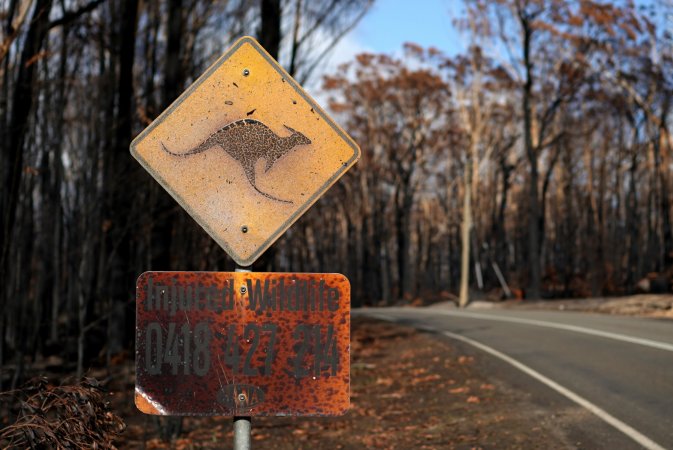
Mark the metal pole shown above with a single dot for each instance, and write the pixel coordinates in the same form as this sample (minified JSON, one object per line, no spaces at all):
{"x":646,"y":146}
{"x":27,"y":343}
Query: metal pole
{"x":242,"y":424}
{"x":242,"y":428}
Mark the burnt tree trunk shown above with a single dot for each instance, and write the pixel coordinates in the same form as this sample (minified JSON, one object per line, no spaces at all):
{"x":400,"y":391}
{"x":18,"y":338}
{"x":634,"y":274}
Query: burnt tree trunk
{"x":531,"y":153}
{"x":118,"y":283}
{"x":22,"y":104}
{"x":270,"y":28}
{"x":269,"y":36}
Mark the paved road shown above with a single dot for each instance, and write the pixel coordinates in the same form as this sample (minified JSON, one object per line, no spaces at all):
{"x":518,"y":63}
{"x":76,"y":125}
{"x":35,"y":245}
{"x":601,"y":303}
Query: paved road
{"x":620,"y":369}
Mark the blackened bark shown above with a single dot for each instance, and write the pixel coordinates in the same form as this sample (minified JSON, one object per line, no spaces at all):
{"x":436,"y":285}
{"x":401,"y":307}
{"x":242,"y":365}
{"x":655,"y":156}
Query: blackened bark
{"x":632,"y":223}
{"x":531,"y":153}
{"x":404,"y":203}
{"x":664,"y":199}
{"x":402,"y":245}
{"x":22,"y":104}
{"x":270,"y":29}
{"x":170,"y":427}
{"x":173,"y":85}
{"x":118,"y":172}
{"x":269,"y":35}
{"x":174,"y":80}
{"x":126,"y":62}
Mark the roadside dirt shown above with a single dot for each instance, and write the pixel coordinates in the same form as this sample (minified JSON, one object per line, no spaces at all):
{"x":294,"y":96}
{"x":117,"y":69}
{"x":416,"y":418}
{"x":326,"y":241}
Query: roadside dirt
{"x":409,"y":390}
{"x":644,"y":305}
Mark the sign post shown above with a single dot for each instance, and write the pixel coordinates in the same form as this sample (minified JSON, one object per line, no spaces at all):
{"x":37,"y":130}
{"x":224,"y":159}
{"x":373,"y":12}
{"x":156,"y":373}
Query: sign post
{"x":242,"y":428}
{"x":242,"y":424}
{"x":245,"y":151}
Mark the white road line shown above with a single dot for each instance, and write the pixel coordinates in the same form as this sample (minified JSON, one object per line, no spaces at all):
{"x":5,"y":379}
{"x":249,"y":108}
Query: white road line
{"x":559,"y":326}
{"x":601,"y":413}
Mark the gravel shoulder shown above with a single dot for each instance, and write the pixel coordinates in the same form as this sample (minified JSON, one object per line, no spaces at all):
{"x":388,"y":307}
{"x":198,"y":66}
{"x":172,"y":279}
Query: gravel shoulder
{"x":643,"y":305}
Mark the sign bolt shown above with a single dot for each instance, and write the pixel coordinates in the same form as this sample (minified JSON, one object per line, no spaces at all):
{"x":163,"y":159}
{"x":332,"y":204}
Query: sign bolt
{"x":246,"y":72}
{"x":243,"y":290}
{"x":241,"y":398}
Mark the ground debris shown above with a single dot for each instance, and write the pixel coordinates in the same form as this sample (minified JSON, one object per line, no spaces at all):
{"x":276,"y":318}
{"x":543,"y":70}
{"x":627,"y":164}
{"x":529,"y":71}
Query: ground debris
{"x":43,"y":415}
{"x":408,"y":390}
{"x":643,"y":305}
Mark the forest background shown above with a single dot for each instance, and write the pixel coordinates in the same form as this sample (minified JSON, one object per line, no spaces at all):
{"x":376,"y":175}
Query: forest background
{"x":542,"y":152}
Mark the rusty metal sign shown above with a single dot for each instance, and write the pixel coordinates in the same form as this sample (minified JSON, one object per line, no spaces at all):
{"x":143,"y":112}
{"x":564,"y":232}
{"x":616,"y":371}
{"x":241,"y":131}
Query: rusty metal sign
{"x":245,"y":344}
{"x":245,"y":151}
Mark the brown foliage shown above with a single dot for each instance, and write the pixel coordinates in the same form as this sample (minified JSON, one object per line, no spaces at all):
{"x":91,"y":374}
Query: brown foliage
{"x":68,"y":416}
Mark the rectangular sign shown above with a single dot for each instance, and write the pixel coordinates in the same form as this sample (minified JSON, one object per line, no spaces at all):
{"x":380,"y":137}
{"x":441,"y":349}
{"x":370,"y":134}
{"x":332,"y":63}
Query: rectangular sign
{"x":242,"y":343}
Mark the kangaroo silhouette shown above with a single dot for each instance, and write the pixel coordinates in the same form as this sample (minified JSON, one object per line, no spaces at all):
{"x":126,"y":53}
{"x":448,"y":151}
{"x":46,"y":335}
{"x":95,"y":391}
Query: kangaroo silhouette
{"x":248,"y":141}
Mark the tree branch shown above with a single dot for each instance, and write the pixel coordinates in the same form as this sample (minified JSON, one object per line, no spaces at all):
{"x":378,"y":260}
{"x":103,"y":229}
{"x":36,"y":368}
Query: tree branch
{"x":74,"y":15}
{"x":13,"y":27}
{"x":332,"y":44}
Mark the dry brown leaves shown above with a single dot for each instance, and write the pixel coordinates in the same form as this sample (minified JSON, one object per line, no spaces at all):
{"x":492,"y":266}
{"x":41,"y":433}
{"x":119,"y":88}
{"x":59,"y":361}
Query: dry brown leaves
{"x":50,"y":416}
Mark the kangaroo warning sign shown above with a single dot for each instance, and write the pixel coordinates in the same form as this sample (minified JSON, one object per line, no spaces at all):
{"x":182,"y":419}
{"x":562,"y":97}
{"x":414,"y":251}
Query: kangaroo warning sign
{"x":245,"y":151}
{"x":244,"y":344}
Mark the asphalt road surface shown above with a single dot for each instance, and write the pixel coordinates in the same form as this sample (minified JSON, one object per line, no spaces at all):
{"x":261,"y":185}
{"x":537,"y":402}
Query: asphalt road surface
{"x":618,"y":370}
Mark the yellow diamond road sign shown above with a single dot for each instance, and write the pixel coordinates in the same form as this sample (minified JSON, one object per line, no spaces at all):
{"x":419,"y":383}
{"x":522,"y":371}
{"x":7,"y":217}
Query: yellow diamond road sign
{"x":245,"y":151}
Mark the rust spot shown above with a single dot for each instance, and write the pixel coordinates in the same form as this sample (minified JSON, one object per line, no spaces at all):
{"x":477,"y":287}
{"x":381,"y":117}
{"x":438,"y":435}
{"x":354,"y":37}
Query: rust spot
{"x":144,"y":405}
